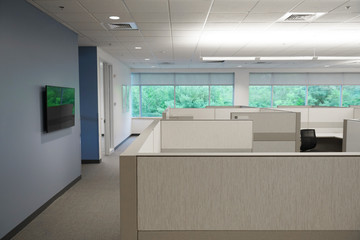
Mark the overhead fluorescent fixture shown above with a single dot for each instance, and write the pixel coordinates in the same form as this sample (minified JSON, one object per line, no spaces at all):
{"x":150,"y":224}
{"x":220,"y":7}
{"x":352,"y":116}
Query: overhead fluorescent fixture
{"x":280,"y":58}
{"x":292,"y":58}
{"x":300,"y":16}
{"x":339,"y":58}
{"x":228,"y":58}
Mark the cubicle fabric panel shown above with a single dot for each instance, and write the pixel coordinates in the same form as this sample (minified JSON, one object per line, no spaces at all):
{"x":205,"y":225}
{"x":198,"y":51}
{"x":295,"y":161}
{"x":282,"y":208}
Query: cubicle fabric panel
{"x":207,"y":193}
{"x":273,"y":131}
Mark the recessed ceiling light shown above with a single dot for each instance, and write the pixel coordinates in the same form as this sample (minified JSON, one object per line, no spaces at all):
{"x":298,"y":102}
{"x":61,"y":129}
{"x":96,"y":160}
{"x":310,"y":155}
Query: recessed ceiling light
{"x":327,"y":66}
{"x":147,"y":59}
{"x":240,"y":66}
{"x":138,"y":48}
{"x":114,"y":17}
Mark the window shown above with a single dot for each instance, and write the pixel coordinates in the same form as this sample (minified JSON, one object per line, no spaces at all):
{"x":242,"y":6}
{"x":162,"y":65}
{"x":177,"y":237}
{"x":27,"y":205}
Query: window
{"x":350,"y":95}
{"x":135,"y":97}
{"x":155,"y":99}
{"x":192,"y":96}
{"x":289,"y":95}
{"x":324,"y":95}
{"x":294,"y":89}
{"x":260,"y":96}
{"x":152,"y":93}
{"x":221,"y":95}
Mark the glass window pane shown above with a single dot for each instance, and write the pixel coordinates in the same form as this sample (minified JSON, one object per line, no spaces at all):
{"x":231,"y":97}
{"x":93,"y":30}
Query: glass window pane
{"x":260,"y":96}
{"x":155,"y":99}
{"x":221,"y":95}
{"x":351,"y":95}
{"x":323,"y":95}
{"x":192,"y":96}
{"x":289,"y":95}
{"x":135,"y":98}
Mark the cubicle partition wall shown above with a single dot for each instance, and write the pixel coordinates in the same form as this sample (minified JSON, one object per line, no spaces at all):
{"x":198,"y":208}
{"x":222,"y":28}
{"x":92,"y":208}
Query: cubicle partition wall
{"x":356,"y":112}
{"x":217,"y":196}
{"x":206,"y":136}
{"x":351,"y":140}
{"x":327,"y":121}
{"x":277,"y":131}
{"x":218,"y":113}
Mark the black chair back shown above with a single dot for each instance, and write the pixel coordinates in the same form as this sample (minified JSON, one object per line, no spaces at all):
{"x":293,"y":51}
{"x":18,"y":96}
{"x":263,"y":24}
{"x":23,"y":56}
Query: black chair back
{"x":308,"y":139}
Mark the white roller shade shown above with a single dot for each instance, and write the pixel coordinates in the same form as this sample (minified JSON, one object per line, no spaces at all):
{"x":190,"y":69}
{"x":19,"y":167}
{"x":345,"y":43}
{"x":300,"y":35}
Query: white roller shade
{"x":325,"y":78}
{"x":352,"y":78}
{"x":192,"y":79}
{"x":260,"y":78}
{"x":183,"y":79}
{"x":289,"y":78}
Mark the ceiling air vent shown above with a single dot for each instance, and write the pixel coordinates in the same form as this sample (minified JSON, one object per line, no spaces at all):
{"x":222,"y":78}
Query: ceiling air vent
{"x":120,"y":26}
{"x":300,"y":17}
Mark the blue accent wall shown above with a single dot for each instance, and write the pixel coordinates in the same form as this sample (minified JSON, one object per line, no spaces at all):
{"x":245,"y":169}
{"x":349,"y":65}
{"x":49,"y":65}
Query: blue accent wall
{"x":89,"y":103}
{"x":35,"y":50}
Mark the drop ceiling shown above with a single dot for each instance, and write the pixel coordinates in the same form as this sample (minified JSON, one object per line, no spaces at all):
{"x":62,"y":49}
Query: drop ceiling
{"x":178,"y":33}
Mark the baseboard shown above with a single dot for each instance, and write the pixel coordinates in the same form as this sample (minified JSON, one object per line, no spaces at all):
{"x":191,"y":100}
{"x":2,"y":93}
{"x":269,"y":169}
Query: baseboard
{"x":95,"y":161}
{"x":37,"y":212}
{"x":131,"y":135}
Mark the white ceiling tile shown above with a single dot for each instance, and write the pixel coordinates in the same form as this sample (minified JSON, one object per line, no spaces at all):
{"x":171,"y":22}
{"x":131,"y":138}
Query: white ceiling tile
{"x":146,"y":26}
{"x":156,"y":33}
{"x":186,"y":33}
{"x":221,"y":26}
{"x":86,"y":26}
{"x":233,"y":6}
{"x":104,"y":6}
{"x":75,"y":17}
{"x":103,"y":38}
{"x":147,"y":5}
{"x":226,"y":17}
{"x":97,"y":33}
{"x":187,"y":6}
{"x":188,"y":17}
{"x":158,"y":40}
{"x":353,"y":4}
{"x":129,"y":39}
{"x":104,"y":17}
{"x":336,"y":17}
{"x":355,"y":20}
{"x":253,"y":26}
{"x":318,"y":26}
{"x":187,"y":26}
{"x":126,"y":33}
{"x":263,"y":17}
{"x":84,"y":41}
{"x":53,"y":6}
{"x":318,"y":5}
{"x":272,"y":6}
{"x":287,"y":26}
{"x":151,"y":16}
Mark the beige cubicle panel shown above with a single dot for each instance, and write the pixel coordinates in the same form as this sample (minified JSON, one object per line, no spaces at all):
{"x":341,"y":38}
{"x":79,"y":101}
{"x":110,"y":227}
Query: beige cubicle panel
{"x":205,"y":136}
{"x":276,"y":131}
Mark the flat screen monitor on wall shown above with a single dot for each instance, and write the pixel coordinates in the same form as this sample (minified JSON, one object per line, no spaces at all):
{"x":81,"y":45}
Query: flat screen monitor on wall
{"x":60,"y":108}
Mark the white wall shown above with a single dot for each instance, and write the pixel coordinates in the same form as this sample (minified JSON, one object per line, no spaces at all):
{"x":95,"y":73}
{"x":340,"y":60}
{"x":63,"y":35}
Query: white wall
{"x":121,"y":75}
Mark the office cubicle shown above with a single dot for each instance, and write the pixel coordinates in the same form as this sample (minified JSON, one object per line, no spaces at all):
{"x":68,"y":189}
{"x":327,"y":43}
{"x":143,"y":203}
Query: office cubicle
{"x":236,"y":195}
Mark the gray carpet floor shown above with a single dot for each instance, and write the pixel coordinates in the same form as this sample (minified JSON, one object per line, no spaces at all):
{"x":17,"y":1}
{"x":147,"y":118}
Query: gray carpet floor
{"x":90,"y":210}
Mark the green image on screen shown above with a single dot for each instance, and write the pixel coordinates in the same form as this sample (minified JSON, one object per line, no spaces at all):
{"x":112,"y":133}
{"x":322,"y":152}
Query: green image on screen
{"x":57,"y":96}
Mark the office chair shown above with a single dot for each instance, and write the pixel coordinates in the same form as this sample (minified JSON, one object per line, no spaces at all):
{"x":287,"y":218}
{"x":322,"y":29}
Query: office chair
{"x":308,"y":139}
